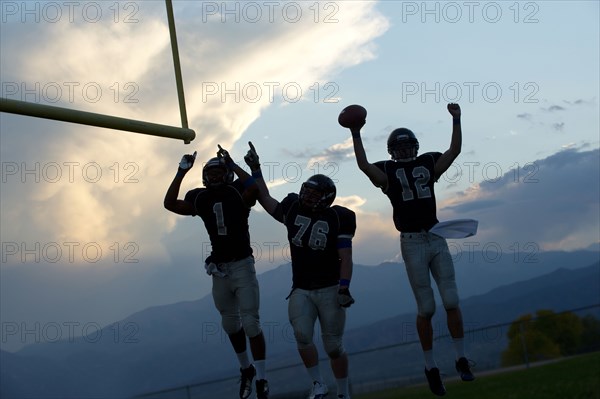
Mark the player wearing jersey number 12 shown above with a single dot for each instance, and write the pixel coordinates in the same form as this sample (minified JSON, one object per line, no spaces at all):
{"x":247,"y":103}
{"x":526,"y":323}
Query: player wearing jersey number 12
{"x":408,"y":180}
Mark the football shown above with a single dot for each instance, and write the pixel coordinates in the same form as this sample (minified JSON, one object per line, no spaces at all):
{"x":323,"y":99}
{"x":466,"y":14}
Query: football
{"x":352,"y":116}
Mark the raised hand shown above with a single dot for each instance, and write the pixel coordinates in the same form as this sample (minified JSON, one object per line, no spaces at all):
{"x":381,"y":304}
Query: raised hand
{"x":251,"y":158}
{"x":187,"y":161}
{"x":454,"y":110}
{"x":224,"y":154}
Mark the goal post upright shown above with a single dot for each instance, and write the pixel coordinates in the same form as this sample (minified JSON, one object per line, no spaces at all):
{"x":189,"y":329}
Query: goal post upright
{"x":176,"y":63}
{"x":112,"y":122}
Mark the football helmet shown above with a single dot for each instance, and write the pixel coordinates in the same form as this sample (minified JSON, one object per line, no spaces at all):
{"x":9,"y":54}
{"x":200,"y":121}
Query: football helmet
{"x":403,"y":145}
{"x":210,"y":180}
{"x":317,"y":193}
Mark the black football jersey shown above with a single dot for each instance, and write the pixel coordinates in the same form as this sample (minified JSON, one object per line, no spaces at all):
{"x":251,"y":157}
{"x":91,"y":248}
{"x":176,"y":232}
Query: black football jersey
{"x":225,"y":216}
{"x":313,"y":239}
{"x":410,"y":190}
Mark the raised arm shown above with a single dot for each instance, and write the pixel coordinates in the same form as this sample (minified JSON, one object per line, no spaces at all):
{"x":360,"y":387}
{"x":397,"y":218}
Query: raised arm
{"x":269,"y":203}
{"x":451,"y":153}
{"x":171,"y":202}
{"x":376,"y":175}
{"x":250,"y":194}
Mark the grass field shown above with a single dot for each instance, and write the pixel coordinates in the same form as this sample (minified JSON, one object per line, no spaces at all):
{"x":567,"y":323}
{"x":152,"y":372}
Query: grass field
{"x":570,"y":378}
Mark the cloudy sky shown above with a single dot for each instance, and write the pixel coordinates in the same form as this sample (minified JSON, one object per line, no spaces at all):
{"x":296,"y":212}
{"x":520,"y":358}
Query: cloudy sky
{"x":81,"y":207}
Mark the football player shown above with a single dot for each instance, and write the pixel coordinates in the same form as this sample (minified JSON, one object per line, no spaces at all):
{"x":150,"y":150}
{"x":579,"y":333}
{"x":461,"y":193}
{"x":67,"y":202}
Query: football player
{"x":408,"y":180}
{"x":320,"y":237}
{"x":224,"y":206}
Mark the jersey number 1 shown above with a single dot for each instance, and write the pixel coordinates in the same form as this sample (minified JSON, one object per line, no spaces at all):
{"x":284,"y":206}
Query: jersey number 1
{"x":218,"y":211}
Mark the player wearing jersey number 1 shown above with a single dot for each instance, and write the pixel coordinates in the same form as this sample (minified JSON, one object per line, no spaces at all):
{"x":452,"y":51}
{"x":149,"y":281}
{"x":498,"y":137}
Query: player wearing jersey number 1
{"x":224,"y":206}
{"x":408,"y":180}
{"x":320,"y":238}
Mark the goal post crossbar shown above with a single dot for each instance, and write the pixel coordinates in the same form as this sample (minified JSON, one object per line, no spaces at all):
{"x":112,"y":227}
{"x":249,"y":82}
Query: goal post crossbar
{"x":94,"y":119}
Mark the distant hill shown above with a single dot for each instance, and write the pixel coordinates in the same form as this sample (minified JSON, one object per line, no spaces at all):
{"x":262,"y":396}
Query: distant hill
{"x":559,"y":291}
{"x":174,"y":345}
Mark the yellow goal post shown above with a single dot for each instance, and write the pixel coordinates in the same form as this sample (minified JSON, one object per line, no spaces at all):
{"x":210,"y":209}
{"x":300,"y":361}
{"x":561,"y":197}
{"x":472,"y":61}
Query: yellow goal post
{"x":113,"y":122}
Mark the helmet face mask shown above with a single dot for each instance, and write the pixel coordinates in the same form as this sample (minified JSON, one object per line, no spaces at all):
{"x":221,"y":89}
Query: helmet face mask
{"x":317,"y":193}
{"x":403,"y":145}
{"x":215,"y":173}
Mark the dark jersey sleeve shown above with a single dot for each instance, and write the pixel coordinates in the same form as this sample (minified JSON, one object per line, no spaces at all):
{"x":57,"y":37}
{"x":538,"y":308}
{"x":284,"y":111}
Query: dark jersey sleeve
{"x":190,"y":197}
{"x":284,"y":207}
{"x":347,"y":226}
{"x":238,"y":185}
{"x":434,"y":155}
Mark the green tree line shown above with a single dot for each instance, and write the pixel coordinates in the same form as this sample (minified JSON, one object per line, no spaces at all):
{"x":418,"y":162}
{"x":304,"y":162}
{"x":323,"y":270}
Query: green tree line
{"x":549,"y":335}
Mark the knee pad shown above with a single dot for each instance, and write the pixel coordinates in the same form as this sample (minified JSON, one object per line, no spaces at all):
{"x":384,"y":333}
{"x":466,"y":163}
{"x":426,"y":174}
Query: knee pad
{"x":333,"y":346}
{"x":426,"y":307}
{"x":251,"y":325}
{"x":231,"y":324}
{"x":450,"y":298}
{"x":303,"y":341}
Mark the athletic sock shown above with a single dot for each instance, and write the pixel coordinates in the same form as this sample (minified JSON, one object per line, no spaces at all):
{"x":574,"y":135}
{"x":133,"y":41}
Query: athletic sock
{"x":315,"y":373}
{"x":429,"y":360}
{"x":342,"y":386}
{"x":459,"y":347}
{"x":243,"y":359}
{"x":260,"y":369}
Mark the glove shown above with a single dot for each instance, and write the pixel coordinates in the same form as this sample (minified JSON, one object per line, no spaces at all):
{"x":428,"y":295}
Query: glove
{"x":213,"y":269}
{"x":344,"y":298}
{"x":251,"y":158}
{"x":186,"y":163}
{"x":224,"y":154}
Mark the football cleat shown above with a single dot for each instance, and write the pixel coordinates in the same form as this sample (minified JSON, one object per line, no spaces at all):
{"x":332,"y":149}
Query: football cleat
{"x":262,"y":389}
{"x":435,"y":381}
{"x":463,"y":367}
{"x":246,"y":381}
{"x":318,"y":391}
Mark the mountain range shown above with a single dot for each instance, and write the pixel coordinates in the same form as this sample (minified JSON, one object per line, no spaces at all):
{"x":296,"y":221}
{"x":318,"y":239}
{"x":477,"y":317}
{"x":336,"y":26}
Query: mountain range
{"x":182,"y":344}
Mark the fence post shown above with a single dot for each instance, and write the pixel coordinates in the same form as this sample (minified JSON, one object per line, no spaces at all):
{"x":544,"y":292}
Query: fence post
{"x":521,"y":328}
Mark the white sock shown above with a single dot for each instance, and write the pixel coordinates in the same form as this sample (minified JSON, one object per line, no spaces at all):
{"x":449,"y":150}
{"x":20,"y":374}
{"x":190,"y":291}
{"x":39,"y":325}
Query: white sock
{"x":342,"y":386}
{"x":243,"y":359}
{"x":260,"y":369}
{"x":315,"y":373}
{"x":459,"y":347}
{"x":429,"y":360}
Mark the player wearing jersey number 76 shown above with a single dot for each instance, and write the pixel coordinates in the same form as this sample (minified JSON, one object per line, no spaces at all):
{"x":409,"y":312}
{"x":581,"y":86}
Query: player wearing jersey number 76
{"x":408,"y":180}
{"x":320,"y":237}
{"x":224,"y":206}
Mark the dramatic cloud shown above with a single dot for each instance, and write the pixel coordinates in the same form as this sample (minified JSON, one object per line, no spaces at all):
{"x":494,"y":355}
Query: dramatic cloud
{"x":231,"y":71}
{"x":552,"y":203}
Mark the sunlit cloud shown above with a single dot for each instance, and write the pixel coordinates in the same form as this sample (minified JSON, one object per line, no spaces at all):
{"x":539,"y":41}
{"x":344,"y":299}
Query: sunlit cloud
{"x":229,"y":80}
{"x":353,"y":202}
{"x":338,"y":152}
